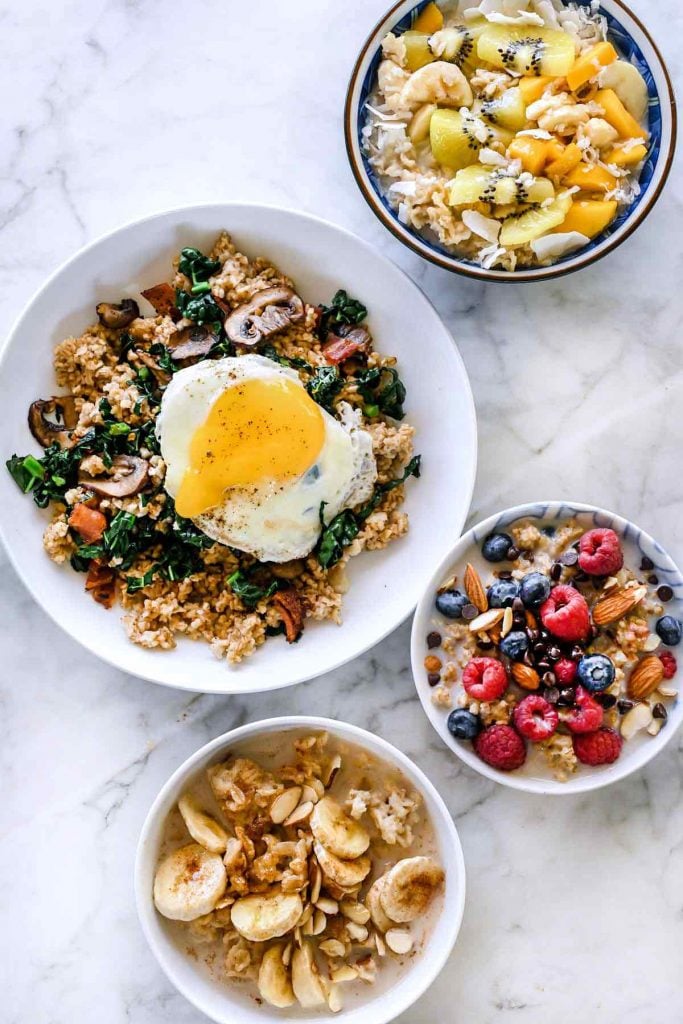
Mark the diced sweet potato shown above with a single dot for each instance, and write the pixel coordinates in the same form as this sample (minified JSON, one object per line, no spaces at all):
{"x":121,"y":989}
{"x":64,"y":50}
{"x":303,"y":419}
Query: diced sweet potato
{"x":89,"y":523}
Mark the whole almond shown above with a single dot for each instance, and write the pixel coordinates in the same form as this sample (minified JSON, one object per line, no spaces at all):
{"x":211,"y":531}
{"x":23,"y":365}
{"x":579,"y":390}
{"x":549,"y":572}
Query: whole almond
{"x":474,"y":588}
{"x":526,"y":677}
{"x":615,"y":606}
{"x":645,"y":677}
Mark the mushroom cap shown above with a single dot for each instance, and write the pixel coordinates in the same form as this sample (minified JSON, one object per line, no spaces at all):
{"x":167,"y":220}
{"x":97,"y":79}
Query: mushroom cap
{"x":47,"y":431}
{"x":269,"y":311}
{"x":130,"y":476}
{"x":195,"y":340}
{"x":117,"y":314}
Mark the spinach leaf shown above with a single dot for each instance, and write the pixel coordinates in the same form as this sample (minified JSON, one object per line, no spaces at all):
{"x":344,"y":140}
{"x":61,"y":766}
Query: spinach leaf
{"x":325,"y":385}
{"x":383,"y":388}
{"x":345,"y":526}
{"x":343,"y":310}
{"x":198,"y":268}
{"x":270,"y":352}
{"x":163,"y":358}
{"x":200,"y":308}
{"x":248,"y":592}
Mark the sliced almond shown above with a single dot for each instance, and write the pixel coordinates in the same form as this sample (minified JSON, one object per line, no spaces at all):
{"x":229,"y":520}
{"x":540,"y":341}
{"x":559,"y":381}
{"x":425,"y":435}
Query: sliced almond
{"x":299,"y":814}
{"x":655,"y":725}
{"x":344,"y":973}
{"x":645,"y":677}
{"x":357,"y":932}
{"x":639,"y":717}
{"x":474,"y":588}
{"x":379,"y":942}
{"x":613,"y":607}
{"x":667,"y":690}
{"x":332,"y":770}
{"x":332,"y":948}
{"x":526,"y":677}
{"x":486,"y":620}
{"x":319,"y":922}
{"x":307,"y":926}
{"x":335,"y":999}
{"x":318,"y":786}
{"x":287,"y":954}
{"x":399,"y":941}
{"x":308,"y":793}
{"x":327,"y":905}
{"x":306,"y":915}
{"x":316,"y":882}
{"x":652,"y":643}
{"x":507,"y":622}
{"x":355,"y":912}
{"x":283,"y":805}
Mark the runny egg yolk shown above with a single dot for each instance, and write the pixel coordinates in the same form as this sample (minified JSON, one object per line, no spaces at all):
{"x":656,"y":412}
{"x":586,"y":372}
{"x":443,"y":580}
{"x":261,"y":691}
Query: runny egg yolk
{"x":256,"y":430}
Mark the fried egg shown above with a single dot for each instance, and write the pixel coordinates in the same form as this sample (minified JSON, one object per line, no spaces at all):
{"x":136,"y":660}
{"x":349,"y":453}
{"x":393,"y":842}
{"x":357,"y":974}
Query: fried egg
{"x":250,"y":457}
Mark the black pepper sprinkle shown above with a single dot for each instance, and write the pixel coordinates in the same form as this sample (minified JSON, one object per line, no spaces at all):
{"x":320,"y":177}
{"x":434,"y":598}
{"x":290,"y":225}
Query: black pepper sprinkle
{"x":469,"y":612}
{"x":433,"y":678}
{"x":433,"y":639}
{"x":664,"y":593}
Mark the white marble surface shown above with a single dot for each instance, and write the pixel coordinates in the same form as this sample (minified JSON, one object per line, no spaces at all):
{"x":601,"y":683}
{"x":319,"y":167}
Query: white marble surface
{"x":114,"y":108}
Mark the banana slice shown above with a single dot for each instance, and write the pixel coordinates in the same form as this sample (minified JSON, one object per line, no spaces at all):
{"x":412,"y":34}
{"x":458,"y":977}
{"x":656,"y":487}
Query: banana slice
{"x":273,"y":979}
{"x":337,"y":832}
{"x":189,"y":883}
{"x":305,"y":979}
{"x":259,"y":918}
{"x":204,"y":830}
{"x":628,"y":84}
{"x":409,"y":888}
{"x":373,"y":901}
{"x":345,"y":873}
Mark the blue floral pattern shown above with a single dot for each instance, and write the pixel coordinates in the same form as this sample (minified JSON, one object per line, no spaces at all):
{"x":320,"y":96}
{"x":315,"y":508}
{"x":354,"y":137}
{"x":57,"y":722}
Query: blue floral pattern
{"x":627,"y":48}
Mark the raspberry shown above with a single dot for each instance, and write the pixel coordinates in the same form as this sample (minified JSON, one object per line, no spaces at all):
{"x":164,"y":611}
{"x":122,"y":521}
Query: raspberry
{"x":587,"y":715}
{"x":565,"y":614}
{"x":601,"y":747}
{"x":669,"y":662}
{"x":565,"y":671}
{"x":501,"y":747}
{"x":600,"y":553}
{"x":485,"y":678}
{"x":535,"y":718}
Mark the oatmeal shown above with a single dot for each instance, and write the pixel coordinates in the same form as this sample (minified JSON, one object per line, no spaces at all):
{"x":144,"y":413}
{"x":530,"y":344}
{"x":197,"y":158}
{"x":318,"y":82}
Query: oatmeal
{"x":302,"y":867}
{"x":559,"y":656}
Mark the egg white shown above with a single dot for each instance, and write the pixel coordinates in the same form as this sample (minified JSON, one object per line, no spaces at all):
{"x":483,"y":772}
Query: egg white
{"x":274,"y":520}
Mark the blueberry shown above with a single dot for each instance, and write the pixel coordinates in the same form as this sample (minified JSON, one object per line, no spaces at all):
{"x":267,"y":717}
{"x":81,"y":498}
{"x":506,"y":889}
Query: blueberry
{"x":463,"y":724}
{"x":502,"y":593}
{"x":669,"y":630}
{"x":534,"y":589}
{"x":514,"y":644}
{"x":595,"y":672}
{"x":451,"y":603}
{"x":496,"y":546}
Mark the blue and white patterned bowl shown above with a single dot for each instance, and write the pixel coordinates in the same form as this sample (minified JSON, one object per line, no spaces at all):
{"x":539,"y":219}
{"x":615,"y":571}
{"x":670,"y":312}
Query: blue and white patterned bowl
{"x":533,"y":777}
{"x":632,"y":40}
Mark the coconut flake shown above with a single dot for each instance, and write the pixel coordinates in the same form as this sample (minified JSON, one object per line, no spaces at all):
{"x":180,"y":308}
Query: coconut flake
{"x":550,"y":247}
{"x":536,"y":133}
{"x":490,"y":158}
{"x":403,"y":188}
{"x":486,"y":227}
{"x":525,"y":18}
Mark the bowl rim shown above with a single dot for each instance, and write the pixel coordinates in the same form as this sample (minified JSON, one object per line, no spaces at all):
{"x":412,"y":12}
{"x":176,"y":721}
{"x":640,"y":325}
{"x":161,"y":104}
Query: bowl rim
{"x":445,"y":830}
{"x":547,"y":787}
{"x":452,"y":263}
{"x":41,"y":596}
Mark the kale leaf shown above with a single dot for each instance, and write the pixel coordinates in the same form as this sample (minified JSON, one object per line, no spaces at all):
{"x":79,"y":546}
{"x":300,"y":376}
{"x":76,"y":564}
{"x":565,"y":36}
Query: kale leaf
{"x":382,"y":388}
{"x":250,"y":593}
{"x":343,"y":310}
{"x":198,"y":268}
{"x":325,"y":385}
{"x":203,"y":309}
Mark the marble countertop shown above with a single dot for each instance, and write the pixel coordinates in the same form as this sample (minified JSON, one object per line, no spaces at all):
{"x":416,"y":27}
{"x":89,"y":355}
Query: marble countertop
{"x":115,"y":108}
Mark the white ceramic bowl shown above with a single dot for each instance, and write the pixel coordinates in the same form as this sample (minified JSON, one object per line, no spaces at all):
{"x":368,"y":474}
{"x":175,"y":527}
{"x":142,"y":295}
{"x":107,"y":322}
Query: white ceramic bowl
{"x":636,"y":544}
{"x":227,"y":1003}
{"x":321,"y":258}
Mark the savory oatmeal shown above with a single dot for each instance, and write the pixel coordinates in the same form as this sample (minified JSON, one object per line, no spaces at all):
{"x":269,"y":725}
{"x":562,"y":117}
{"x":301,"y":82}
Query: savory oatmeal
{"x":302,"y":867}
{"x":510,"y":132}
{"x":560,"y":657}
{"x":214,"y":465}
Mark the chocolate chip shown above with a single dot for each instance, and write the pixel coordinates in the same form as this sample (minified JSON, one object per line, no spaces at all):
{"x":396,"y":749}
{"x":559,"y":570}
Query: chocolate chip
{"x":433,"y":639}
{"x":569,"y":558}
{"x":580,"y":576}
{"x":646,"y":563}
{"x":545,"y":635}
{"x":664,"y":593}
{"x":542,"y":665}
{"x":554,"y":653}
{"x":567,"y":697}
{"x":528,"y":659}
{"x":469,"y":612}
{"x":540,"y":648}
{"x":552,"y":695}
{"x":517,"y":605}
{"x":533,"y":634}
{"x":555,"y":571}
{"x":504,"y":574}
{"x":484,"y":645}
{"x":607,"y":700}
{"x":519,"y":621}
{"x":433,"y":678}
{"x":576,"y":653}
{"x":624,"y":705}
{"x":654,"y":580}
{"x":513,"y":553}
{"x":549,"y":678}
{"x":659,"y":711}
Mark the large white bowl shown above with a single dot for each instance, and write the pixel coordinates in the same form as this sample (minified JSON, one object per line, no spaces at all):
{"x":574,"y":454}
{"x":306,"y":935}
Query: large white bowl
{"x":226,"y":1003}
{"x":636,"y":544}
{"x":321,"y":258}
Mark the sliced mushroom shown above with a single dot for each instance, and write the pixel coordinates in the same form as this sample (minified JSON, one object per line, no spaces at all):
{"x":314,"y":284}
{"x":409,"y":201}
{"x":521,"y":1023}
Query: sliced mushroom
{"x":129,"y":477}
{"x":46,"y":430}
{"x":266,"y":313}
{"x":190,"y":342}
{"x":117,"y":314}
{"x":150,"y":362}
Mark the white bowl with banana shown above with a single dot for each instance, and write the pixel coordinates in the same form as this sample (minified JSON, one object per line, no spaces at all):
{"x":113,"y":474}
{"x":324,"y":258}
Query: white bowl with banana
{"x":300,"y":868}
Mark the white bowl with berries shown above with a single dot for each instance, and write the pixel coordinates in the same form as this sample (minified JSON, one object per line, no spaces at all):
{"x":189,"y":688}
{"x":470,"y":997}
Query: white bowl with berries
{"x":545,"y":649}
